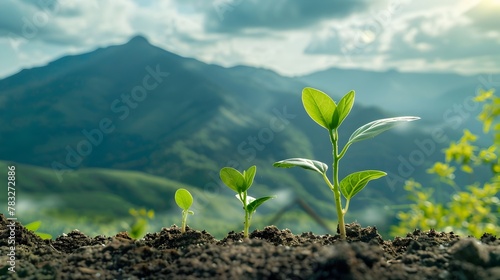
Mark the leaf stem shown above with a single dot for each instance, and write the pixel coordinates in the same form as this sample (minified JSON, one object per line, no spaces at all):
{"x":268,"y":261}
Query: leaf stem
{"x":328,"y":181}
{"x":344,"y":150}
{"x":336,"y":188}
{"x":346,"y":206}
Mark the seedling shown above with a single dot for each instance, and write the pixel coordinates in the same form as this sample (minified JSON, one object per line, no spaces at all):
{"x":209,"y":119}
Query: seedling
{"x":34,"y":226}
{"x":184,"y":200}
{"x":240,"y":183}
{"x":325,"y":112}
{"x":140,"y":226}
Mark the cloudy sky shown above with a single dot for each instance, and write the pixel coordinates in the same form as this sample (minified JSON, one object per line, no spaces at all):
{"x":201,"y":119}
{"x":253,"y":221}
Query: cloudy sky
{"x":292,"y":37}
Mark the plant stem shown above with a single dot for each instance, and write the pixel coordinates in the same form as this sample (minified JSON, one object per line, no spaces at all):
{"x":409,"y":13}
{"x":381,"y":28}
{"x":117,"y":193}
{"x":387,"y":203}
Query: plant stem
{"x":184,"y":220}
{"x":247,"y":216}
{"x":245,"y":232}
{"x":336,"y":188}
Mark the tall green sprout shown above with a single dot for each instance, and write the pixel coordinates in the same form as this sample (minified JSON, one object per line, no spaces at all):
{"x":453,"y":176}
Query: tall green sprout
{"x":330,"y":115}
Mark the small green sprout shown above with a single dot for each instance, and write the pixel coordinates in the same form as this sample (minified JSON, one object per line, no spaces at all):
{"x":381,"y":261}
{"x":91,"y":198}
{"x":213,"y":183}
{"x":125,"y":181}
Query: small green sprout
{"x":34,"y":226}
{"x":240,"y":183}
{"x":325,"y":112}
{"x":184,"y":200}
{"x":140,"y":226}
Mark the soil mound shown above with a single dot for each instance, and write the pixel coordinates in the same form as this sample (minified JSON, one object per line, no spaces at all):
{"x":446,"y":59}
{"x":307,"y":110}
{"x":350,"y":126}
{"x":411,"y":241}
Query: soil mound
{"x":270,"y":253}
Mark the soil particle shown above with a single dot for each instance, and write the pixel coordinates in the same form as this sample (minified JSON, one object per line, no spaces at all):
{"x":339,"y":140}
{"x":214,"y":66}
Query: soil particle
{"x":471,"y":251}
{"x":270,"y":253}
{"x":475,"y":260}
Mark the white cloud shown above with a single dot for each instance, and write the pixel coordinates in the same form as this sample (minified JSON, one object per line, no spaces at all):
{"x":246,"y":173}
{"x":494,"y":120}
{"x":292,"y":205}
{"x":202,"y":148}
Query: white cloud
{"x":404,"y":34}
{"x":443,"y":38}
{"x":485,"y":15}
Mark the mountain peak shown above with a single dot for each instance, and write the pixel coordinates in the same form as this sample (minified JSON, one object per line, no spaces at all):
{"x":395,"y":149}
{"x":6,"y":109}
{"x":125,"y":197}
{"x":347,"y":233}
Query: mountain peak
{"x":138,"y":39}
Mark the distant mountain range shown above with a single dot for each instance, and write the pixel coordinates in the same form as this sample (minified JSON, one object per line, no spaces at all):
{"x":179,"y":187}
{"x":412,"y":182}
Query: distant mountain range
{"x":139,"y":108}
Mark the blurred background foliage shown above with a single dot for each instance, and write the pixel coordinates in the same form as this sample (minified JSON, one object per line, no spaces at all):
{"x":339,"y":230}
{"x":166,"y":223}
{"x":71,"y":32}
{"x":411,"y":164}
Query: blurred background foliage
{"x":472,"y":209}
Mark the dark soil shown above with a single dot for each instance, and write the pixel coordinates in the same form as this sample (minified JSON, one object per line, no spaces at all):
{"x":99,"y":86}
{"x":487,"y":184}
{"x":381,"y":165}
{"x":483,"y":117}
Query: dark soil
{"x":268,"y":254}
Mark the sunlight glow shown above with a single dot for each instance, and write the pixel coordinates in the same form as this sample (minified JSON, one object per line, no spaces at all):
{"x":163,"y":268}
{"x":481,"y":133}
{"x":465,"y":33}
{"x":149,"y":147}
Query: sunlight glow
{"x":494,"y":3}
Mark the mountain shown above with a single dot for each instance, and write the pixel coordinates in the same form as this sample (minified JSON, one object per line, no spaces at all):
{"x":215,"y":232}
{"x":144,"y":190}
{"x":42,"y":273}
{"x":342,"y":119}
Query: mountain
{"x":139,"y":108}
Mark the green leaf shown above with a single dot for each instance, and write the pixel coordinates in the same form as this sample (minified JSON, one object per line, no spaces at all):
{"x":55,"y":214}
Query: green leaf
{"x":374,"y":128}
{"x":183,"y":198}
{"x":355,"y":182}
{"x":249,"y":175}
{"x":249,"y":199}
{"x":319,"y":106}
{"x":233,"y":179}
{"x":343,"y":109}
{"x":252,"y":206}
{"x":314,"y":165}
{"x":43,"y":235}
{"x":33,"y":226}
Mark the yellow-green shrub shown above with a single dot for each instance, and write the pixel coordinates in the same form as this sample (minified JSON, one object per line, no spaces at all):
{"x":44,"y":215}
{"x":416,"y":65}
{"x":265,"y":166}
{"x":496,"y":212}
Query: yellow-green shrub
{"x":472,"y":210}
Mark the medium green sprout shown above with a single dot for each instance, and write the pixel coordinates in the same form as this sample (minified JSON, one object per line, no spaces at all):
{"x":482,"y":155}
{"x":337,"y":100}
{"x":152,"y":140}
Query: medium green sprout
{"x":240,"y":183}
{"x":184,"y":200}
